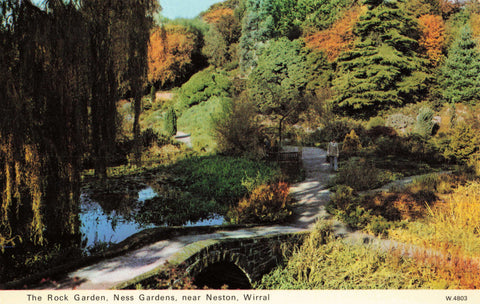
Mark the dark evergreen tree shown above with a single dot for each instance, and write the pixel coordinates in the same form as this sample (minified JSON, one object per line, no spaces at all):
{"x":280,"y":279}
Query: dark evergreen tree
{"x":171,"y":122}
{"x":317,"y":15}
{"x":257,"y":28}
{"x":460,"y":75}
{"x":383,"y":69}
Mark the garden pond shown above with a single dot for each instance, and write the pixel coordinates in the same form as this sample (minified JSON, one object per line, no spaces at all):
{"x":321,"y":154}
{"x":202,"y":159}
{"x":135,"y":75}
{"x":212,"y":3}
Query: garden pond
{"x":113,"y":217}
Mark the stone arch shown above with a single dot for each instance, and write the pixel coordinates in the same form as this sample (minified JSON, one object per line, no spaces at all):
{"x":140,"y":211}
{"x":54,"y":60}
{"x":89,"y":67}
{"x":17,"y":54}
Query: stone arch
{"x":230,"y":268}
{"x":221,"y":274}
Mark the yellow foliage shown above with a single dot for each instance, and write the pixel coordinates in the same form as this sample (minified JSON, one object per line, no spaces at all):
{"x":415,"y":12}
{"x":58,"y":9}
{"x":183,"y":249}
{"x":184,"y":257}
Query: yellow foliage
{"x":452,"y":227}
{"x":351,"y":143}
{"x":33,"y":181}
{"x":215,"y":15}
{"x":433,"y":36}
{"x":475,"y":25}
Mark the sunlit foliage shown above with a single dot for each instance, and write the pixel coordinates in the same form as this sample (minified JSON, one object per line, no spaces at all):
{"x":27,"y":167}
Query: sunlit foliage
{"x":170,"y":54}
{"x":432,"y":37}
{"x":337,"y":39}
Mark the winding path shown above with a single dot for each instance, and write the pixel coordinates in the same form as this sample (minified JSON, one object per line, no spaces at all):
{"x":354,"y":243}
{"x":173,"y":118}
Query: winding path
{"x":311,"y":196}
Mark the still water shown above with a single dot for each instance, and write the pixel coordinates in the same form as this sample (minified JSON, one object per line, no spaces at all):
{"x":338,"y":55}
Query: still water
{"x":113,"y":226}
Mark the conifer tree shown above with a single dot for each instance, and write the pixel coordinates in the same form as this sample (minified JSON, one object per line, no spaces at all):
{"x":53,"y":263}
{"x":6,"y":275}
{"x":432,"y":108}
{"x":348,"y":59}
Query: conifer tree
{"x":171,"y":122}
{"x":460,"y":75}
{"x":383,"y":69}
{"x":257,"y":28}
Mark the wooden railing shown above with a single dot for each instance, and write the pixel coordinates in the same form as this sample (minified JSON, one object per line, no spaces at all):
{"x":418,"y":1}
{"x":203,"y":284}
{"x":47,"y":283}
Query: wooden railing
{"x":285,"y":156}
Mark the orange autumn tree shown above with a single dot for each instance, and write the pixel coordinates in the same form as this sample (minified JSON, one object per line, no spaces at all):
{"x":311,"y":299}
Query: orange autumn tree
{"x":212,"y":17}
{"x":432,"y":38}
{"x":170,"y":54}
{"x":337,"y":39}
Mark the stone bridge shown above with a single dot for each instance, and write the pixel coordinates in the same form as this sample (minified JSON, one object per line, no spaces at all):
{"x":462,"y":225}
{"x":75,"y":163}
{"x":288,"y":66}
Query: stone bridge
{"x":236,"y":262}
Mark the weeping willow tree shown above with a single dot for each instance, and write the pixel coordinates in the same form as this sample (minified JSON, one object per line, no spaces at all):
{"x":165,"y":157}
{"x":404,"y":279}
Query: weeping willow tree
{"x":60,"y":80}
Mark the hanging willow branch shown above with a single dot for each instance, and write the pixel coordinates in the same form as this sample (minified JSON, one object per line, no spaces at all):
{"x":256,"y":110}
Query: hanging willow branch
{"x":60,"y":74}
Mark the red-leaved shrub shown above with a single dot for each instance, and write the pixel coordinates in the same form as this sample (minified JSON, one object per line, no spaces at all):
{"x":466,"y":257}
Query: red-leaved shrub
{"x":266,"y":204}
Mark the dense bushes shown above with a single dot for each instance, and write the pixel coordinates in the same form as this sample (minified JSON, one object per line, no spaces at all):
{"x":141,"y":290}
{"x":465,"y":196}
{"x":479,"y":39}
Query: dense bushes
{"x":238,"y":131}
{"x":201,"y":87}
{"x":461,"y":144}
{"x":351,"y":144}
{"x":413,"y":147}
{"x":223,"y":179}
{"x":377,"y":212}
{"x":338,"y":129}
{"x":361,"y":174}
{"x":266,"y":204}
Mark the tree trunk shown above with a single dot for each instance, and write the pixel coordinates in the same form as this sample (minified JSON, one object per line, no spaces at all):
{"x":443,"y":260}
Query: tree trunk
{"x":136,"y":129}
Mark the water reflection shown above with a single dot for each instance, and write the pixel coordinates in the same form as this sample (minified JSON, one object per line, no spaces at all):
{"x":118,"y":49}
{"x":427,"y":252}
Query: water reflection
{"x":101,"y":226}
{"x":145,"y":194}
{"x":111,"y":218}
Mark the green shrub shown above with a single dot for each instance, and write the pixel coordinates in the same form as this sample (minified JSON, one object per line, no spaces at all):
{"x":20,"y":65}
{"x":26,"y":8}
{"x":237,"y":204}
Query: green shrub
{"x":385,"y":145}
{"x":359,"y":174}
{"x":377,"y":131}
{"x":201,"y":87}
{"x":462,"y":143}
{"x":149,"y":137}
{"x":238,"y":132}
{"x":376,"y":121}
{"x":152,"y":94}
{"x":153,"y":119}
{"x":346,"y":206}
{"x":338,"y":129}
{"x":442,"y":183}
{"x":424,"y":124}
{"x":266,"y":204}
{"x":222,"y":178}
{"x":170,"y":122}
{"x":378,"y":226}
{"x":355,"y":216}
{"x":351,"y":144}
{"x":342,"y":197}
{"x":474,"y":163}
{"x":413,"y":147}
